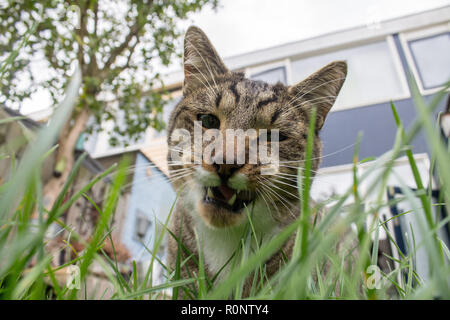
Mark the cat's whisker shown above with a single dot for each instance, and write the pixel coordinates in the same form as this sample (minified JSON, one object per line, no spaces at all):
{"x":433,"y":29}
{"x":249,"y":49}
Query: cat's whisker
{"x":264,"y":190}
{"x":282,"y":200}
{"x":286,"y":179}
{"x":206,"y":85}
{"x":262,"y":196}
{"x":269,"y":184}
{"x":192,"y":154}
{"x":319,"y":99}
{"x":172,"y":178}
{"x":289,"y":181}
{"x":160,"y":179}
{"x":295,"y":168}
{"x":147,"y":165}
{"x":323,"y":156}
{"x":191,"y":167}
{"x":208,"y":67}
{"x":317,"y":177}
{"x":289,"y":174}
{"x":180,"y":177}
{"x":318,"y":86}
{"x":274,"y":185}
{"x":156,"y":179}
{"x":290,"y":185}
{"x":204,"y":61}
{"x":131,"y":171}
{"x":177,"y":174}
{"x":293,"y":103}
{"x":209,"y":91}
{"x":274,"y":205}
{"x":172,"y":171}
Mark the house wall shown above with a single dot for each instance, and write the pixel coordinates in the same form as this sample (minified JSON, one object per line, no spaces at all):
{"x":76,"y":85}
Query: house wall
{"x":14,"y":137}
{"x":150,"y":201}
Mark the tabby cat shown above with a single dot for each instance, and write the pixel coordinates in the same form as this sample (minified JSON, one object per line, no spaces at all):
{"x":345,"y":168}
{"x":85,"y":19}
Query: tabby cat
{"x":215,"y":197}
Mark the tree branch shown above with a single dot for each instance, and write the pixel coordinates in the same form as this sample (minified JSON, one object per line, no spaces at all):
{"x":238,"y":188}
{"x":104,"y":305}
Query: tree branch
{"x":81,"y":32}
{"x":118,"y":70}
{"x":134,"y":32}
{"x":92,"y":69}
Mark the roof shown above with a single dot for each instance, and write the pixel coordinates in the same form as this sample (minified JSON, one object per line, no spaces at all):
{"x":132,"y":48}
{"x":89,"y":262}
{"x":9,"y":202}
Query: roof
{"x":89,"y":163}
{"x":26,"y":121}
{"x":156,"y":152}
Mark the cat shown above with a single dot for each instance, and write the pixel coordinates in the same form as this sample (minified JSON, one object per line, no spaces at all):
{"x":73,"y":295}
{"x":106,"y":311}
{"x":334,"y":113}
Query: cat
{"x":214,"y":197}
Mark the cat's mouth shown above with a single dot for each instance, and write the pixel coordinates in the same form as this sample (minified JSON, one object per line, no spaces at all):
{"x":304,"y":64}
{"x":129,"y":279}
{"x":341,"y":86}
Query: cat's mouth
{"x":228,"y":198}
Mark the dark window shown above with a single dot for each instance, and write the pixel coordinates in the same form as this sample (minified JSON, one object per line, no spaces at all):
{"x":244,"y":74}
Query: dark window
{"x":142,"y":224}
{"x":431,"y":56}
{"x":271,"y":76}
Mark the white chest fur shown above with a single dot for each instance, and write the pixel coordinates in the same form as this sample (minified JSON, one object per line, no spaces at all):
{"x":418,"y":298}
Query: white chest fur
{"x":218,"y":245}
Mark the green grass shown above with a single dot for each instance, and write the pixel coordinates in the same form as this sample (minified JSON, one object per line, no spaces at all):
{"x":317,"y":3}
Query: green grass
{"x":316,"y":270}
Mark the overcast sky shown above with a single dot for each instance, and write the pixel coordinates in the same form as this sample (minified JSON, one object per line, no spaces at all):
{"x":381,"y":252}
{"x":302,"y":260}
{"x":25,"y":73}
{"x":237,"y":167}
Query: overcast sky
{"x":240,"y":26}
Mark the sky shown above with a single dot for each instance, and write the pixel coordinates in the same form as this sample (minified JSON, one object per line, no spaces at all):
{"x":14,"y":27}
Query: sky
{"x":240,"y":26}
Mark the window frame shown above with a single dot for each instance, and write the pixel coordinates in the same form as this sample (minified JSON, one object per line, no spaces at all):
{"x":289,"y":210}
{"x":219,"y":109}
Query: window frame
{"x":249,"y":71}
{"x":406,"y":37}
{"x":141,"y":217}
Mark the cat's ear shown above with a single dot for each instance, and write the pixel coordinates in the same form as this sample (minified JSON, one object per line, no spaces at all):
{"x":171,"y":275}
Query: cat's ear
{"x":320,"y":90}
{"x":201,"y":61}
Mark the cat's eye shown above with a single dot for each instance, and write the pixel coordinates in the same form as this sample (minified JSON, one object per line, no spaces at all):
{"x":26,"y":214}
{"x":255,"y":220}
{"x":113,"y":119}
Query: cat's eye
{"x":209,"y":121}
{"x":281,"y":136}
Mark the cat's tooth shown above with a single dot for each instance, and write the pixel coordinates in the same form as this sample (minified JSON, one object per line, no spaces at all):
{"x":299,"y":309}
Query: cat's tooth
{"x":232,"y":200}
{"x":210,"y":193}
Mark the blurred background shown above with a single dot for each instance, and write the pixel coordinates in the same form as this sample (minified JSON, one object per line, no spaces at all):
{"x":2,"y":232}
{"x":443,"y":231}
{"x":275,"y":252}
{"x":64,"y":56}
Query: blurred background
{"x":132,"y":80}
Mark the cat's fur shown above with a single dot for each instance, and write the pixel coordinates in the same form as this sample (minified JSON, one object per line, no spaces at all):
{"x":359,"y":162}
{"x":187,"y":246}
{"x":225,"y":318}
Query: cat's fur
{"x":240,"y":103}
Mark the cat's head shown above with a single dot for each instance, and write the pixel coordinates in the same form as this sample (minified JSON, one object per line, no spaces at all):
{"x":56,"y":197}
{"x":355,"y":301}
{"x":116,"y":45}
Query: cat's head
{"x":218,"y":100}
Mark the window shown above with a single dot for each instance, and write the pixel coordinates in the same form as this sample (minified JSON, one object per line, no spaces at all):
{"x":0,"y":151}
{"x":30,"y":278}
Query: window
{"x":374,"y":73}
{"x":142,"y":224}
{"x":271,"y":76}
{"x":431,"y":56}
{"x":427,"y":52}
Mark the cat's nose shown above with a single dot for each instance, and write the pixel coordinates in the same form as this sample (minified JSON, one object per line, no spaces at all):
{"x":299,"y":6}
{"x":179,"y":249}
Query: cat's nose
{"x":225,"y":171}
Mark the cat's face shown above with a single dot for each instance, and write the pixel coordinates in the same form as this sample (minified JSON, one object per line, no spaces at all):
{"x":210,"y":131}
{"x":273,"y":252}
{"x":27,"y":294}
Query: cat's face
{"x":226,"y":181}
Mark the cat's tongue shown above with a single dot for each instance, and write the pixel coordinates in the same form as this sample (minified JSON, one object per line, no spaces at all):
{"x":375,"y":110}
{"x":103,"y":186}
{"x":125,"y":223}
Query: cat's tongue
{"x":226,"y":191}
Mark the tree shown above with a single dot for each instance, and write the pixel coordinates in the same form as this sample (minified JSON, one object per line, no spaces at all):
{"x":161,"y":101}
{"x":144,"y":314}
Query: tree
{"x":116,"y":44}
